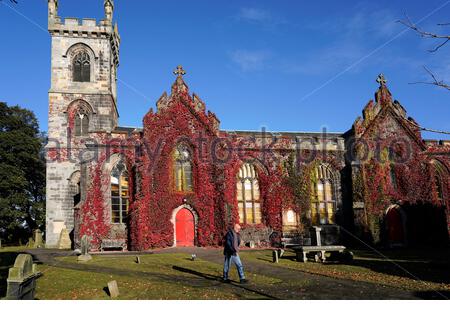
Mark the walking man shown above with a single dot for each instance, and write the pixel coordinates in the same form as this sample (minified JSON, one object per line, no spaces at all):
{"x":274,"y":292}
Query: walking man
{"x":231,"y":253}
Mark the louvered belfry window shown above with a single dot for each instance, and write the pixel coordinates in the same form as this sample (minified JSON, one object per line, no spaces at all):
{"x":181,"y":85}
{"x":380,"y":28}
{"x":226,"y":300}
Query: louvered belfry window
{"x":82,"y":67}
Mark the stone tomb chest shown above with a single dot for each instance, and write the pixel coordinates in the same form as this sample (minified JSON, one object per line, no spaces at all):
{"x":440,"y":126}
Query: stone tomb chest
{"x":22,"y":279}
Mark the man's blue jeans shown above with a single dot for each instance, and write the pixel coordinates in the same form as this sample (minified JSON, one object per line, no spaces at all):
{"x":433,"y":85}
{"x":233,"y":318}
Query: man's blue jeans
{"x":227,"y":263}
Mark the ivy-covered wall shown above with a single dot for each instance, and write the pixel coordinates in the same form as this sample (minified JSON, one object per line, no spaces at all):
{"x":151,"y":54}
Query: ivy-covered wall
{"x":381,"y":161}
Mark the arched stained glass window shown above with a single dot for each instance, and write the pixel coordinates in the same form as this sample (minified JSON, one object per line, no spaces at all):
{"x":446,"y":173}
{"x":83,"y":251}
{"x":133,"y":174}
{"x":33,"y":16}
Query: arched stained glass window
{"x":323,"y":204}
{"x":82,"y":67}
{"x":248,"y":195}
{"x":183,"y":168}
{"x":119,"y":193}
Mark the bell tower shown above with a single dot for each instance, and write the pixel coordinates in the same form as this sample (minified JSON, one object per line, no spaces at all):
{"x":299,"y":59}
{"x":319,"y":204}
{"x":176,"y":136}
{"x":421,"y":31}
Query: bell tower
{"x":82,"y":103}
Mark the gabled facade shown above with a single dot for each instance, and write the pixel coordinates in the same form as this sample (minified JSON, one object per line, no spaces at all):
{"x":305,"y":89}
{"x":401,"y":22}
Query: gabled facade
{"x":181,"y":181}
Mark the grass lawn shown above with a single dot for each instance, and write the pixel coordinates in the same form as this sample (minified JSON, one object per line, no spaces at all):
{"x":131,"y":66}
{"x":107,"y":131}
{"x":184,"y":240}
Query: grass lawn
{"x":158,"y":276}
{"x":175,"y":276}
{"x":418,"y":270}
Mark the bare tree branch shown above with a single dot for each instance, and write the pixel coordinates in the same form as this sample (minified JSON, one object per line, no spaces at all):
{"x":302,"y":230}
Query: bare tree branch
{"x":425,"y":34}
{"x":435,"y":81}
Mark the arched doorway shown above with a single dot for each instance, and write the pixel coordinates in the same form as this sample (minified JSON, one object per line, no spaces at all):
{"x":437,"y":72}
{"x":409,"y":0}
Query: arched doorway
{"x":184,"y":228}
{"x":395,"y":228}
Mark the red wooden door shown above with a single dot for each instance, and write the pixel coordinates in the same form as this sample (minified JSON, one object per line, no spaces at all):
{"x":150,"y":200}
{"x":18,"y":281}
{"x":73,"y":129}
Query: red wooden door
{"x":184,"y":228}
{"x":395,"y":226}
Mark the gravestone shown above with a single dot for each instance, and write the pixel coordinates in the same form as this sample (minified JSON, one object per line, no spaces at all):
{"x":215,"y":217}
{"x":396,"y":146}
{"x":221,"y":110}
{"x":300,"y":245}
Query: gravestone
{"x":315,"y":236}
{"x":275,"y":256}
{"x":85,"y":247}
{"x":38,"y":242}
{"x":64,"y":242}
{"x":22,"y":279}
{"x":30,"y":243}
{"x":113,"y":289}
{"x":138,"y":260}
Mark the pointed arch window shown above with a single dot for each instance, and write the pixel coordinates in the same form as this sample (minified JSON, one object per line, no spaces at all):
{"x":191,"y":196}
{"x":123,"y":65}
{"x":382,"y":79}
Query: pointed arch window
{"x":183,"y":168}
{"x":323,"y":204}
{"x":439,"y":172}
{"x":119,"y":193}
{"x":248,"y":195}
{"x":82,"y":67}
{"x":393,"y":177}
{"x":81,"y":123}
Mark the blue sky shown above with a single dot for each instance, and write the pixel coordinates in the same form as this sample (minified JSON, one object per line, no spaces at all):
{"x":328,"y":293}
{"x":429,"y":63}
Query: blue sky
{"x":286,"y":65}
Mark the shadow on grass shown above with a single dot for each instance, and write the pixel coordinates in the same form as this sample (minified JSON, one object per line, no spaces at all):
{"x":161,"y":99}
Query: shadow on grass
{"x":216,"y":278}
{"x":433,"y":295}
{"x":420,"y":266}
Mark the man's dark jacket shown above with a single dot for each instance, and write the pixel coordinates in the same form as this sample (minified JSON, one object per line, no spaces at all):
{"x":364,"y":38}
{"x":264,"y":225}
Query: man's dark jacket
{"x":229,"y":246}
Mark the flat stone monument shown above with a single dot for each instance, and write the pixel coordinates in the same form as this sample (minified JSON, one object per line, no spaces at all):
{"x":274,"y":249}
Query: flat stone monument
{"x":22,"y":277}
{"x":113,"y":289}
{"x":64,"y":242}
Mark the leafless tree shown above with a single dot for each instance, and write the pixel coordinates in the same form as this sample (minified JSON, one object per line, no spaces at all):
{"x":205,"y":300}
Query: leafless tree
{"x":444,"y":39}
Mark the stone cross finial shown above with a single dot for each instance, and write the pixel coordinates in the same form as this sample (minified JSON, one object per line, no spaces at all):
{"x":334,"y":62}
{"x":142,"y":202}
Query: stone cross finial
{"x":381,"y":79}
{"x":179,"y":71}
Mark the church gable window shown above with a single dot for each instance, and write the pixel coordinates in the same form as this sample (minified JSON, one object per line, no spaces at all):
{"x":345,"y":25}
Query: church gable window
{"x":119,"y":193}
{"x":248,"y":195}
{"x":183,"y":169}
{"x":82,"y":67}
{"x":323,"y":204}
{"x":439,"y":173}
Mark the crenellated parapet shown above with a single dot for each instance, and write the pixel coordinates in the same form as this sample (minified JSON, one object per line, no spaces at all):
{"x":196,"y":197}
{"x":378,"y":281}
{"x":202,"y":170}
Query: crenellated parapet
{"x":86,"y":27}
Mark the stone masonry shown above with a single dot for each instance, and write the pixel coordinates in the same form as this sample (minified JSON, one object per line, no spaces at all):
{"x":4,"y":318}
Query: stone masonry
{"x":87,"y":146}
{"x":101,"y":41}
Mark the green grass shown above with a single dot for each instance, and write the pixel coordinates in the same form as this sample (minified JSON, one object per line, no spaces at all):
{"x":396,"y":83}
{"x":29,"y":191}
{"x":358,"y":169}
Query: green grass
{"x":419,"y":270}
{"x":159,"y":276}
{"x":175,"y":276}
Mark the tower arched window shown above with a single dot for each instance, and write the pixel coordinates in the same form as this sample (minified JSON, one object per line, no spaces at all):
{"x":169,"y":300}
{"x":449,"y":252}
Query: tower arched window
{"x":183,"y":168}
{"x":119,"y":193}
{"x":323,"y":204}
{"x":248,"y":195}
{"x":82,"y":67}
{"x":81,"y":123}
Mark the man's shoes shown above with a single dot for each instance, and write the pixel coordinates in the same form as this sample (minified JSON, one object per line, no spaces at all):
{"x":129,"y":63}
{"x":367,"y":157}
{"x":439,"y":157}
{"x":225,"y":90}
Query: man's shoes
{"x":226,"y":280}
{"x":244,"y":281}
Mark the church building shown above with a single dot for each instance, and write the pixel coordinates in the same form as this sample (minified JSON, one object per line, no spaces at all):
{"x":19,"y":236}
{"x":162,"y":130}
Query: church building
{"x":179,"y":180}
